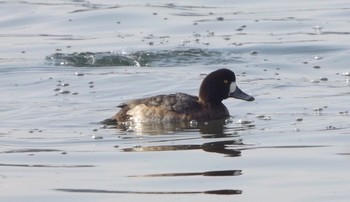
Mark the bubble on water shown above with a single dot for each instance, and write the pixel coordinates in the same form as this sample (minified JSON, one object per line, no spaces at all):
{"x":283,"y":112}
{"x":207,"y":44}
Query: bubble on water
{"x":210,"y":33}
{"x":226,"y":38}
{"x":56,"y":89}
{"x":64,"y":92}
{"x":318,"y":29}
{"x":220,"y":18}
{"x":323,"y":79}
{"x":32,"y":130}
{"x":79,"y":74}
{"x":331,"y":128}
{"x":64,"y":84}
{"x":314,"y":81}
{"x":318,"y":110}
{"x":75,"y":93}
{"x":241,"y":28}
{"x":195,"y":34}
{"x":299,"y":119}
{"x":243,"y":122}
{"x":96,"y":137}
{"x":228,"y":121}
{"x":254,"y":52}
{"x":346,"y":73}
{"x":193,"y":123}
{"x":318,"y":58}
{"x":264,"y":117}
{"x":267,"y":118}
{"x":316,"y":67}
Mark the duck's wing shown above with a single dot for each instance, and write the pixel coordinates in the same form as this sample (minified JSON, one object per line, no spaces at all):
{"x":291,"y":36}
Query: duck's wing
{"x":177,"y":102}
{"x":182,"y":103}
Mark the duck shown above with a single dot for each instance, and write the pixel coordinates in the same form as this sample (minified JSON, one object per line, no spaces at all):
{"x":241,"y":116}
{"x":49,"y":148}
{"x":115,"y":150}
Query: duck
{"x":181,"y":107}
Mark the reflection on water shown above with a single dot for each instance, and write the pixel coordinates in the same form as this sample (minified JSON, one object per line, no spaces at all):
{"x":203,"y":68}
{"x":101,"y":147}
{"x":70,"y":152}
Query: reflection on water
{"x":208,"y":129}
{"x":30,"y":150}
{"x":217,"y":192}
{"x":293,"y":56}
{"x":45,"y":165}
{"x":207,"y":173}
{"x":214,"y":147}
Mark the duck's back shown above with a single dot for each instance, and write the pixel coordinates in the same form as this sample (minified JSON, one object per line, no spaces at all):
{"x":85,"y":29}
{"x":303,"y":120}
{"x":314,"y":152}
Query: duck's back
{"x":160,"y":108}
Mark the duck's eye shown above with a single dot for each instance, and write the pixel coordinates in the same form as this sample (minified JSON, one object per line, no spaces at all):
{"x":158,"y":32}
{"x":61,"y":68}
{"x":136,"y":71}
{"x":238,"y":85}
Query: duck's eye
{"x":225,"y":81}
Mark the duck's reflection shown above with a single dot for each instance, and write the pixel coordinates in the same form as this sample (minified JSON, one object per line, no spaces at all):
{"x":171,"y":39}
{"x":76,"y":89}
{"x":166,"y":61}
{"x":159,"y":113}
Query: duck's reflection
{"x":215,"y":128}
{"x":208,"y":130}
{"x":215,"y":137}
{"x":220,"y":147}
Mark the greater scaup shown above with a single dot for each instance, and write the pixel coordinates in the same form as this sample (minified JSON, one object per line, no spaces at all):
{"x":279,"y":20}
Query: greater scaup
{"x":217,"y":86}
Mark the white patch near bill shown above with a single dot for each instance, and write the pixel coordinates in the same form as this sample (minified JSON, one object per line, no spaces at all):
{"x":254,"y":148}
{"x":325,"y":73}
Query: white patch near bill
{"x":233,"y":87}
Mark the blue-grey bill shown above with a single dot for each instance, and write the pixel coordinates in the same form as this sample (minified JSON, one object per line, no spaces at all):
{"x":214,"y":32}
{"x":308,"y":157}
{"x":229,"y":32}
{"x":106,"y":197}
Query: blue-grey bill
{"x":239,"y":94}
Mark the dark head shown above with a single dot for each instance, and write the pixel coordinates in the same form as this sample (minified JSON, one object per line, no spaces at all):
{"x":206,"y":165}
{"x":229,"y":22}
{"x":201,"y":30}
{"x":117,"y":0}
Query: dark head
{"x":220,"y":85}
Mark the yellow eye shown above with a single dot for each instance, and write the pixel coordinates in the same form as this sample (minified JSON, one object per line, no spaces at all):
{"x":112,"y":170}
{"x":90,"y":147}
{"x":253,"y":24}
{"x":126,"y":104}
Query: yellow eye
{"x":225,"y":81}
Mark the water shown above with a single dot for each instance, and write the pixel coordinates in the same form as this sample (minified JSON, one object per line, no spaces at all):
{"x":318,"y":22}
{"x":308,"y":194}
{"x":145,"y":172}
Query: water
{"x":66,"y":65}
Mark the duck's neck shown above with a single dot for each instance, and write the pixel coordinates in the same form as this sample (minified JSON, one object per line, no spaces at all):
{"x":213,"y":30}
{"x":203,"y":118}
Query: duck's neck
{"x":209,"y":105}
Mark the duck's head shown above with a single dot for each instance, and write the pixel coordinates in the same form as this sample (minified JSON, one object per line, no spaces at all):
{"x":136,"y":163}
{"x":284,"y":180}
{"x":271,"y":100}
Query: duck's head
{"x":220,"y":85}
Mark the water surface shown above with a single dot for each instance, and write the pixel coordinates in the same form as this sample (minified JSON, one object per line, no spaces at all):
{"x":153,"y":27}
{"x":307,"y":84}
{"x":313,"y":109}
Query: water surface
{"x":66,"y":65}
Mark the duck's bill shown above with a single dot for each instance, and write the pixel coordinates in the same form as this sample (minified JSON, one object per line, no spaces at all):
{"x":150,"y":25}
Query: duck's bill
{"x":239,"y":94}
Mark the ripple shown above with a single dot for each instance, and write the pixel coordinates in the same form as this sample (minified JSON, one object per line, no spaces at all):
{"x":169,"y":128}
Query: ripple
{"x":217,"y":192}
{"x":90,"y":59}
{"x":162,"y":58}
{"x":207,"y":173}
